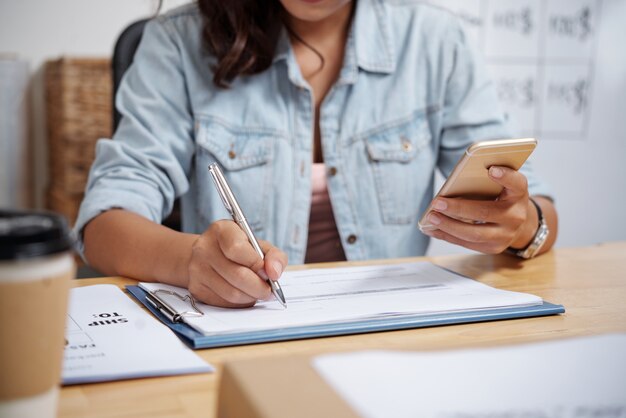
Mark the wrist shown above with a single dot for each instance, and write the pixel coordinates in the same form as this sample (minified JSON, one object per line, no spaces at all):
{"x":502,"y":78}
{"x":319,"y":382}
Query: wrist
{"x":184,"y":250}
{"x":539,"y":239}
{"x":528,"y":230}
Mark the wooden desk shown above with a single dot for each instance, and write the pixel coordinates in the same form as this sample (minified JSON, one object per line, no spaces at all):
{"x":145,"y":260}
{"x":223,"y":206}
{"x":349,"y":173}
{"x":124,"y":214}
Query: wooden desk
{"x":590,"y":282}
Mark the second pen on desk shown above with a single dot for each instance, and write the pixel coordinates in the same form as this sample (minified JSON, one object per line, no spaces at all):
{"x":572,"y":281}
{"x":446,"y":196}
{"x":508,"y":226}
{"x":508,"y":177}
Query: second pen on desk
{"x":228,"y":198}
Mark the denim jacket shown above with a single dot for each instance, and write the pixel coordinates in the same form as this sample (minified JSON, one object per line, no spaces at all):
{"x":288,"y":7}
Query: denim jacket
{"x":410,"y":97}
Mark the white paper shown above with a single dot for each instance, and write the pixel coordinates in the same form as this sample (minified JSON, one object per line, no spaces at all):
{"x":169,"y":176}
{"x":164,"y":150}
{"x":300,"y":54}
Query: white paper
{"x":110,"y":337}
{"x":575,"y":378}
{"x":352,"y":293}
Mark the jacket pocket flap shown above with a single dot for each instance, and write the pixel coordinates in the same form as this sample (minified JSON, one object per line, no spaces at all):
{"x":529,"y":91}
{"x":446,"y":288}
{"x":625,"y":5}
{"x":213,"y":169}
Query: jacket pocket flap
{"x":400,"y":142}
{"x":235,"y":149}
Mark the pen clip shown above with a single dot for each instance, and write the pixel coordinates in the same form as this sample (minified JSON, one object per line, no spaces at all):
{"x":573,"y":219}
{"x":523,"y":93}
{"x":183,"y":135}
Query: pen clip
{"x":216,"y":175}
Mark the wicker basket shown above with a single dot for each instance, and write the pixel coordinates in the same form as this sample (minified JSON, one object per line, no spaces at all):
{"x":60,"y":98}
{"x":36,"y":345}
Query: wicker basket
{"x":79,"y":112}
{"x":64,"y":203}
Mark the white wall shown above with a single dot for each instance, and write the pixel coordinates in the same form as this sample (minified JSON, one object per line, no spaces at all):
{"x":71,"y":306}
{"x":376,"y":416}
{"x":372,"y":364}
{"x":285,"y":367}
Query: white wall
{"x":587,"y":172}
{"x":39,"y":30}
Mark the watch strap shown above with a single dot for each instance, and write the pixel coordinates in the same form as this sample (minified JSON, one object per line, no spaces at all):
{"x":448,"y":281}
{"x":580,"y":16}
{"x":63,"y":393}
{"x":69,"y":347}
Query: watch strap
{"x":538,"y":240}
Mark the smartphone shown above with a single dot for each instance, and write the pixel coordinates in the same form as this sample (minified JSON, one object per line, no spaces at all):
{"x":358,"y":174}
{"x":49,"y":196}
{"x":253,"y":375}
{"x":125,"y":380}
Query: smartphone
{"x":470,"y":178}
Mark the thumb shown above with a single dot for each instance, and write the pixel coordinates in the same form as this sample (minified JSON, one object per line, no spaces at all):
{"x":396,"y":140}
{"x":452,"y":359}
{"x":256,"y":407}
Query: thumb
{"x":275,"y":261}
{"x":514,"y":182}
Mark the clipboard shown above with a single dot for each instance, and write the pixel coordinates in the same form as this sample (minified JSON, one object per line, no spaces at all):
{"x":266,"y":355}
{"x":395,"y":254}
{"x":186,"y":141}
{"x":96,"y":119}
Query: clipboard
{"x":197,"y":340}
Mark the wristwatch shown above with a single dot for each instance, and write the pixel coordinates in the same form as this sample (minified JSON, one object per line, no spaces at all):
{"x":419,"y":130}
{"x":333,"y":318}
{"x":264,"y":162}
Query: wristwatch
{"x":538,"y":240}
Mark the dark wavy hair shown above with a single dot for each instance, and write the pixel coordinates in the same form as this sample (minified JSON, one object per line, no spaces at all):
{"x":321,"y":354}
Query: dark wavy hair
{"x":241,"y":34}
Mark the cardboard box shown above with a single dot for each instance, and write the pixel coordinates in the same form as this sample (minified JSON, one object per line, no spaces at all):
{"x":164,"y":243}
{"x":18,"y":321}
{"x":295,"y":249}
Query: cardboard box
{"x":277,"y":387}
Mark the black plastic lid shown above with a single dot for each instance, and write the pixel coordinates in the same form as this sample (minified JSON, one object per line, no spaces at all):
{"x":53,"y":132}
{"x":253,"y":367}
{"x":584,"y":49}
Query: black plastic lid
{"x":29,"y":234}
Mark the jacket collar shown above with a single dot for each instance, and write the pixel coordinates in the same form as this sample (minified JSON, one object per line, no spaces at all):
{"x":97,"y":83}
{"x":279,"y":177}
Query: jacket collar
{"x":369,"y":43}
{"x":372,"y":37}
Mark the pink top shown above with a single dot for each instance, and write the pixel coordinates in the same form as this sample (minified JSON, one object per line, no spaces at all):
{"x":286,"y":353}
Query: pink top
{"x":324,"y":242}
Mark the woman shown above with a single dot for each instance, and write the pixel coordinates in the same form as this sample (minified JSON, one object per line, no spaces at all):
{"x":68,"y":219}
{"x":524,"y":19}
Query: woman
{"x":303,"y":103}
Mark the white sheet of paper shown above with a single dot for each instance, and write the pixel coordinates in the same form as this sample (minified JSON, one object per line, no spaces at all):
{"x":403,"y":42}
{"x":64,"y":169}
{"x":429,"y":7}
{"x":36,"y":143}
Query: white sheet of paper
{"x":350,"y":293}
{"x":573,"y":378}
{"x":109,"y":337}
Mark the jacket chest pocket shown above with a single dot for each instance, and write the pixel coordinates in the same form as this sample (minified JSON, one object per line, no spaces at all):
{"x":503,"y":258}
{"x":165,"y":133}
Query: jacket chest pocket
{"x":402,"y":165}
{"x":244,"y":157}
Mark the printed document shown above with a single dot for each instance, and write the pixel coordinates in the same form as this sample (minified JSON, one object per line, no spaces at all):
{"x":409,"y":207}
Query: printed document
{"x":109,"y":337}
{"x":571,"y":378}
{"x":333,"y":295}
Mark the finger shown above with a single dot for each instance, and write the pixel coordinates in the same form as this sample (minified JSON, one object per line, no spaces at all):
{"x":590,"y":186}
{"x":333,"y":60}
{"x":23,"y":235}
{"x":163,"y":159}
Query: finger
{"x":480,"y":247}
{"x":514,"y":182}
{"x":214,"y":290}
{"x":234,"y":244}
{"x":470,"y":210}
{"x":204,"y":294}
{"x":481,"y":233}
{"x":275,"y":260}
{"x":242,"y":278}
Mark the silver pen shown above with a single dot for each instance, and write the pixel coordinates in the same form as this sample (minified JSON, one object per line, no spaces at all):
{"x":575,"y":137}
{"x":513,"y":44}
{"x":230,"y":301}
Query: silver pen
{"x":231,"y":205}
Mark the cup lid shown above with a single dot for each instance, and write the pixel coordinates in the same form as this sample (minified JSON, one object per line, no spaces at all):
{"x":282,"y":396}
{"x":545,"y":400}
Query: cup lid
{"x":29,"y":234}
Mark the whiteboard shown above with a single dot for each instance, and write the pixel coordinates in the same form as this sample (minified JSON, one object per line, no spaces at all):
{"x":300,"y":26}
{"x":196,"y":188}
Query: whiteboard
{"x":559,"y":67}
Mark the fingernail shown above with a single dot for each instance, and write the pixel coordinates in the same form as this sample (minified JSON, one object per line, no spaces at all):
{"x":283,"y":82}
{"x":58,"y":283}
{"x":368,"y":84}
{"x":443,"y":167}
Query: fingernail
{"x":263,"y":274}
{"x":277,"y":267}
{"x":434,"y":219}
{"x":440,"y":205}
{"x":496,"y":172}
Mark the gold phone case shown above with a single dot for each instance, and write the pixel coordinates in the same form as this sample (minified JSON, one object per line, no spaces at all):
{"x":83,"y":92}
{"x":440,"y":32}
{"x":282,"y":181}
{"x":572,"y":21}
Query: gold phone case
{"x":470,"y":178}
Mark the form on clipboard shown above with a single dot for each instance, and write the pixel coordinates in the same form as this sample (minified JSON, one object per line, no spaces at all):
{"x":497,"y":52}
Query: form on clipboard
{"x":338,"y":301}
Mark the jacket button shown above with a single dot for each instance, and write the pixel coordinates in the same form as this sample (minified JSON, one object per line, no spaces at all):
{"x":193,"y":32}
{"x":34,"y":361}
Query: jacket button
{"x":332,"y":171}
{"x":406,"y":144}
{"x":352,"y":239}
{"x":232,"y":154}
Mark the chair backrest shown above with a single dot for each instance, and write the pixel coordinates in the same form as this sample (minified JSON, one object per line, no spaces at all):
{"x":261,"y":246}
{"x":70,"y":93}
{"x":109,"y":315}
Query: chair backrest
{"x":123,"y":54}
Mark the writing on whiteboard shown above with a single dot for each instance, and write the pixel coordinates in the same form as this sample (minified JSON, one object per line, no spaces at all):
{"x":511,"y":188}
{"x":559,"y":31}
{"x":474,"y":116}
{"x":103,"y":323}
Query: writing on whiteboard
{"x":577,"y":26}
{"x":541,"y":57}
{"x":516,"y":20}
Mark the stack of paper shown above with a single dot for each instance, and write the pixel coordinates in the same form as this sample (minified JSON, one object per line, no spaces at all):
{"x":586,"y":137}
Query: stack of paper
{"x":110,"y":337}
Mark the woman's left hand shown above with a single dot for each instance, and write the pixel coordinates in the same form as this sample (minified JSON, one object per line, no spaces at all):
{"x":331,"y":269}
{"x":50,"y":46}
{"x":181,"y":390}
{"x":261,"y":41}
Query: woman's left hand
{"x":488,"y":226}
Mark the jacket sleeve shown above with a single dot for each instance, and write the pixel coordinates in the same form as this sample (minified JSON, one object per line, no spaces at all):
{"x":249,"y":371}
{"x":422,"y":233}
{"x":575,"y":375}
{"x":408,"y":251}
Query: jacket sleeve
{"x":145,"y":167}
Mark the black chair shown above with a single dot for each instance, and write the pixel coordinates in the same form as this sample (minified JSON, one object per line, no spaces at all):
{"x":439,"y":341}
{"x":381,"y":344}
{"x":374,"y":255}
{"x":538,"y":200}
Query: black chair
{"x":123,"y":54}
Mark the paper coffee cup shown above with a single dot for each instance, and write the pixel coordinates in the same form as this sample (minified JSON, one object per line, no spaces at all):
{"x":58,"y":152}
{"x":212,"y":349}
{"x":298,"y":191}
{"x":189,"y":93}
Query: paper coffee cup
{"x":36,"y":265}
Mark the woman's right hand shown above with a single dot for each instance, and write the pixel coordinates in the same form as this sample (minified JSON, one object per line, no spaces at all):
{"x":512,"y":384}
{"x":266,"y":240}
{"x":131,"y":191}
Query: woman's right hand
{"x":224,"y":270}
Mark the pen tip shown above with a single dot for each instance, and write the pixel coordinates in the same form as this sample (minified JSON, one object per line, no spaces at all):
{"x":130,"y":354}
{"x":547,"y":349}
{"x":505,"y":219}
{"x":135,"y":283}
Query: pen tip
{"x":281,"y":299}
{"x":278,"y":293}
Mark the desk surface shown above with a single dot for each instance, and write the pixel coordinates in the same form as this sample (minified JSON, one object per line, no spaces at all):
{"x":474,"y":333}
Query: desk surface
{"x":590,"y":282}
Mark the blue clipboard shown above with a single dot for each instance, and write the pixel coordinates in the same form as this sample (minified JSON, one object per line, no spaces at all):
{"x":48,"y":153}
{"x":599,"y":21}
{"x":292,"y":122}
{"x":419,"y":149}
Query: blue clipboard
{"x":197,"y":340}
